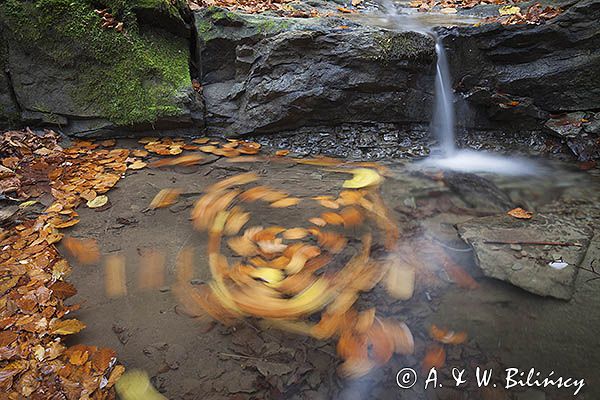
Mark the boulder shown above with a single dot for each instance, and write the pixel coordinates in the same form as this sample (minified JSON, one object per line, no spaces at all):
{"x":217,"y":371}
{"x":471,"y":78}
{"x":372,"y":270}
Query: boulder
{"x":264,"y":74}
{"x":546,"y":270}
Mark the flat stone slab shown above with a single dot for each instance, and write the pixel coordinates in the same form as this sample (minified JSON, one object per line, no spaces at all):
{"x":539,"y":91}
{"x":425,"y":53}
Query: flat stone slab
{"x":546,"y":270}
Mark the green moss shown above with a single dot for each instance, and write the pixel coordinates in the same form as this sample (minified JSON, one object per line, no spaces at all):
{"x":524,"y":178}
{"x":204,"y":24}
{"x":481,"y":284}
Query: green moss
{"x":402,"y":46}
{"x":133,"y":77}
{"x":272,"y":25}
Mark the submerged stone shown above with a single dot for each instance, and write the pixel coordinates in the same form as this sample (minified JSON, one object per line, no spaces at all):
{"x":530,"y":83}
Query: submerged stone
{"x":534,"y":271}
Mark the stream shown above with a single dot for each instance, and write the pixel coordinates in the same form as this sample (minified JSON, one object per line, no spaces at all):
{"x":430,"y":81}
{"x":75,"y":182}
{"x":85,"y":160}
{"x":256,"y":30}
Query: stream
{"x":508,"y":327}
{"x":541,"y":314}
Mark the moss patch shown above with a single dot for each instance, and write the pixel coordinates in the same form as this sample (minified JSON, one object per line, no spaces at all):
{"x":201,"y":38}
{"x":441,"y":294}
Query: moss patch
{"x":404,"y":46}
{"x":132,"y":77}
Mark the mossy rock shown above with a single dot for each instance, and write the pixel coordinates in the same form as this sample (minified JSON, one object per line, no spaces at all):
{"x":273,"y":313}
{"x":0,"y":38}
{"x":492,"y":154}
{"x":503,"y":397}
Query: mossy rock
{"x":63,"y":62}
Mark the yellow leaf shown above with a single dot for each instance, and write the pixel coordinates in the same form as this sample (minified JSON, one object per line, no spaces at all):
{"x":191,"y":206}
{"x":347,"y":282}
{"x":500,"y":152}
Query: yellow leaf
{"x":135,"y":385}
{"x":509,"y":10}
{"x":67,"y":327}
{"x":269,"y":275}
{"x":97,"y":202}
{"x":363,"y":177}
{"x":27,"y":204}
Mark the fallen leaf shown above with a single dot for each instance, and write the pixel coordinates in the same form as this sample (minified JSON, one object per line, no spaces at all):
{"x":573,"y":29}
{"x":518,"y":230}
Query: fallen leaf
{"x":63,"y":290}
{"x":97,"y":202}
{"x":520,"y":213}
{"x":509,"y":10}
{"x":295,"y":233}
{"x":447,"y":336}
{"x":435,"y":356}
{"x":363,"y":177}
{"x":137,"y":164}
{"x":284,"y":203}
{"x":67,"y":327}
{"x":332,"y":218}
{"x":165,"y":198}
{"x":317,"y":221}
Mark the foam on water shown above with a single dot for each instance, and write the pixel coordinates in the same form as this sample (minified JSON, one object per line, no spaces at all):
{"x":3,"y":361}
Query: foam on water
{"x":479,"y":161}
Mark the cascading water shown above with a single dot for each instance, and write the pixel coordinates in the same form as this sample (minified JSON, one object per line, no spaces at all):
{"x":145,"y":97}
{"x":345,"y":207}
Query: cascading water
{"x":443,"y":124}
{"x":443,"y":127}
{"x":443,"y":113}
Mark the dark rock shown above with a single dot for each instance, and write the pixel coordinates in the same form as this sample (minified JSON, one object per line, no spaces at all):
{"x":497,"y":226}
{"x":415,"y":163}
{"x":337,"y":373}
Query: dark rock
{"x":265,"y":74}
{"x":9,"y":110}
{"x":532,"y":272}
{"x":478,"y":192}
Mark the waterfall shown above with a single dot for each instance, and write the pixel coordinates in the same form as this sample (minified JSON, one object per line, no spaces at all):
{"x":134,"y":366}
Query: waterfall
{"x":443,"y":121}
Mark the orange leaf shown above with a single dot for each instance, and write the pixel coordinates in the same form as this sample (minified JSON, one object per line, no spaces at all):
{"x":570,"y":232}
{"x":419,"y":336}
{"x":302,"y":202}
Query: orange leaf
{"x":351,"y":216}
{"x":85,"y":251}
{"x":520,"y":213}
{"x":165,"y":198}
{"x":435,"y":356}
{"x":284,"y":203}
{"x":446,"y":336}
{"x":332,"y":218}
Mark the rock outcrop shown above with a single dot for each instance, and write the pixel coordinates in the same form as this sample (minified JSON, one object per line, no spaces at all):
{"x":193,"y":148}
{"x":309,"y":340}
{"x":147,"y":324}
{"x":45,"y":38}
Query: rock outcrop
{"x":264,"y":74}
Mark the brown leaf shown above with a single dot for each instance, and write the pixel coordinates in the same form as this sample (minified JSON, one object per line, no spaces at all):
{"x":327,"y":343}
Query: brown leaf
{"x":63,"y":290}
{"x":67,"y":327}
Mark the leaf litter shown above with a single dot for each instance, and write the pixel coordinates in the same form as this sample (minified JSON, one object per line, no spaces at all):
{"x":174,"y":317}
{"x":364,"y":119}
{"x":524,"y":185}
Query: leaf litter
{"x":286,"y":275}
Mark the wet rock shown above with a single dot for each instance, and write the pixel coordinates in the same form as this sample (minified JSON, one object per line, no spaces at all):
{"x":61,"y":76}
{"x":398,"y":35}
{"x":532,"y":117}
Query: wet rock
{"x":266,"y":74}
{"x":532,"y":273}
{"x":478,"y":192}
{"x":568,"y":126}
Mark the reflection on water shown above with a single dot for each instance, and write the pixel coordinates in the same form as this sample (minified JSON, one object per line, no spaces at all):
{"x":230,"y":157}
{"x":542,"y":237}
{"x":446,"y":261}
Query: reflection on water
{"x":399,"y":16}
